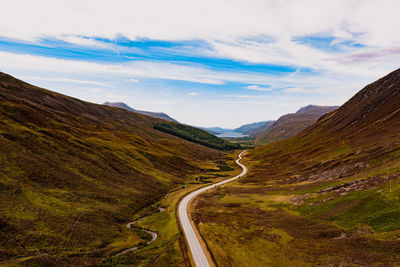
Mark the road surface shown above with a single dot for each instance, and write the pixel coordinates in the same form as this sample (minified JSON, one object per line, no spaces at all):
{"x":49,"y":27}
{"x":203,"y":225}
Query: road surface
{"x":196,"y":250}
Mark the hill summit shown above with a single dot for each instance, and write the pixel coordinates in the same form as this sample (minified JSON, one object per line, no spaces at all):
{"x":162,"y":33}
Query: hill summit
{"x":291,"y":124}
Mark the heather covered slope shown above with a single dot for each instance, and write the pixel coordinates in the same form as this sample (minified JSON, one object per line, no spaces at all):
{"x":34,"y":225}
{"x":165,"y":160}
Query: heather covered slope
{"x":357,"y":143}
{"x":327,"y":196}
{"x":365,"y":127}
{"x":73,"y":173}
{"x":291,"y":124}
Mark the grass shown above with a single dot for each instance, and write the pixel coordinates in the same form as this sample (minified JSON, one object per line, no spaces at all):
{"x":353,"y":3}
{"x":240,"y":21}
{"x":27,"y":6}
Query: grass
{"x":166,"y":250}
{"x":376,"y":210}
{"x":287,"y":191}
{"x":73,"y":173}
{"x":253,"y":229}
{"x":230,"y":251}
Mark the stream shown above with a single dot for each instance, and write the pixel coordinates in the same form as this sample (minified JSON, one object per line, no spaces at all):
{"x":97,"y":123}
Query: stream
{"x":153,"y":236}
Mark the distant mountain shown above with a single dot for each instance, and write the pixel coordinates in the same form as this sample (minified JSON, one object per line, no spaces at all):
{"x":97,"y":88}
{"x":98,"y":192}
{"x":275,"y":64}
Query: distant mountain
{"x":291,"y":124}
{"x":248,"y":128}
{"x":251,"y":129}
{"x":284,"y":127}
{"x":316,"y":110}
{"x":259,"y":129}
{"x":159,"y":115}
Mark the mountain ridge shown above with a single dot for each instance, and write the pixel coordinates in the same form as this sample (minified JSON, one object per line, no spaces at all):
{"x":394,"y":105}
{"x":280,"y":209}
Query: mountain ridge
{"x":159,"y":115}
{"x":253,"y":128}
{"x":293,"y":123}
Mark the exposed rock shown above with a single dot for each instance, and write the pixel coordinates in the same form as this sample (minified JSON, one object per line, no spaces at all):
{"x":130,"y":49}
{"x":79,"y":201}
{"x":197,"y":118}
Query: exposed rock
{"x":359,"y":185}
{"x":339,"y":172}
{"x":300,"y":199}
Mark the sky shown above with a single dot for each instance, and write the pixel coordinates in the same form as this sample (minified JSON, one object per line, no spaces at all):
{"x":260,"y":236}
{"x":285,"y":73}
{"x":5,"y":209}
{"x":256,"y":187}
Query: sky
{"x":205,"y":63}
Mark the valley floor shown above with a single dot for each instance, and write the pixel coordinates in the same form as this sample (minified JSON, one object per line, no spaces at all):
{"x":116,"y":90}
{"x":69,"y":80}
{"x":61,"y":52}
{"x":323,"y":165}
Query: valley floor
{"x":301,"y":224}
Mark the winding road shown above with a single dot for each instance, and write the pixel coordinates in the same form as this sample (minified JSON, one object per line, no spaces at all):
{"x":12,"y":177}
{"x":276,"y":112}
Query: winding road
{"x":198,"y":254}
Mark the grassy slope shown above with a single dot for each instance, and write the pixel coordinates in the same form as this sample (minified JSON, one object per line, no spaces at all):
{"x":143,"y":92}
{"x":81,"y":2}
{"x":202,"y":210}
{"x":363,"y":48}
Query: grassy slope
{"x":166,"y":250}
{"x":73,"y":173}
{"x":329,"y":195}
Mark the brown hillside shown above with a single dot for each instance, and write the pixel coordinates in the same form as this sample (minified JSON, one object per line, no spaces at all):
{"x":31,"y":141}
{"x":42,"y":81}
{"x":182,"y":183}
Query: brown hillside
{"x":327,"y":196}
{"x":372,"y":111}
{"x":366,"y":127}
{"x":291,"y":124}
{"x":66,"y":162}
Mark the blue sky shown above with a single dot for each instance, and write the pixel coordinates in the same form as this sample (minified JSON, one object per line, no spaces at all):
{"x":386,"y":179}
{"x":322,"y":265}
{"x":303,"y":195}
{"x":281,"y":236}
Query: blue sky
{"x":205,"y":63}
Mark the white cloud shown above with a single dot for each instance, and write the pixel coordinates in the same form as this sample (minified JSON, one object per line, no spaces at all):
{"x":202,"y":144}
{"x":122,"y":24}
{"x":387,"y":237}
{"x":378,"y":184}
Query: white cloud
{"x":258,"y":88}
{"x":91,"y":89}
{"x":295,"y":90}
{"x":66,"y":80}
{"x":193,"y":94}
{"x":221,"y":23}
{"x":144,"y":69}
{"x":338,"y":84}
{"x":248,"y":96}
{"x":82,"y":41}
{"x":208,"y":19}
{"x":208,"y":108}
{"x":132,"y":80}
{"x":255,"y":31}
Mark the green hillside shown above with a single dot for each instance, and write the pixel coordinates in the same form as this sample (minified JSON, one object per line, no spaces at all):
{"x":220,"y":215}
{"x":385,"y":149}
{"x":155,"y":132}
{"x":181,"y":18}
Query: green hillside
{"x":195,"y":135}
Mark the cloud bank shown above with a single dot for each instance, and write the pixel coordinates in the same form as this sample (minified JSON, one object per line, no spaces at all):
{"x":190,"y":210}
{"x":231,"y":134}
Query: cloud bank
{"x":295,"y":51}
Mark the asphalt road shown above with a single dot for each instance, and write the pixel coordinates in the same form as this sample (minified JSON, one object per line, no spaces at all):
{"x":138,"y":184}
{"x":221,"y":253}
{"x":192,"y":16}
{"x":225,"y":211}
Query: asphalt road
{"x":196,"y":250}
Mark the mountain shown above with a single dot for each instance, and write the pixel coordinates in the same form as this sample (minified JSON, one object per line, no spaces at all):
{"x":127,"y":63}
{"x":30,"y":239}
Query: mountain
{"x":253,"y":128}
{"x":72,"y":173}
{"x":331,"y":192}
{"x":270,"y":131}
{"x":291,"y":124}
{"x":159,"y":115}
{"x":260,"y":129}
{"x":246,"y":128}
{"x":316,"y":110}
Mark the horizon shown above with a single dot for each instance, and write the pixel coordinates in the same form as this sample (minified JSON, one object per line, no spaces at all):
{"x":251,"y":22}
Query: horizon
{"x":206,"y":64}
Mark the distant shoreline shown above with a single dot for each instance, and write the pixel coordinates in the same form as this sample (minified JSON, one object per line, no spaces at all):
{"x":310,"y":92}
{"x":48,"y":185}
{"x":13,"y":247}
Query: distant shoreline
{"x":232,"y":135}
